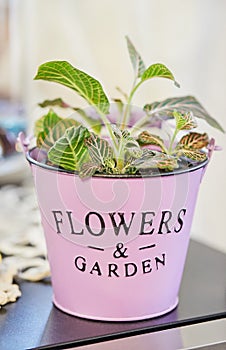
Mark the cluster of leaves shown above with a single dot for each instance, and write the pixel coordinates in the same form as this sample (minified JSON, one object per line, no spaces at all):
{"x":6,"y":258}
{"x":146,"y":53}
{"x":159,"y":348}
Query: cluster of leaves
{"x":189,"y":146}
{"x":76,"y":144}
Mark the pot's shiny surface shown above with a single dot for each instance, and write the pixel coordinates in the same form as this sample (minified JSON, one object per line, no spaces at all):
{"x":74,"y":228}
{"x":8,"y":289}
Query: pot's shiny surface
{"x":116,"y":246}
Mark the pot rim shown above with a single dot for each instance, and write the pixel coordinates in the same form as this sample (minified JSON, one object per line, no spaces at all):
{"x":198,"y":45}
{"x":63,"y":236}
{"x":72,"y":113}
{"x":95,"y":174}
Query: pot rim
{"x":158,"y":173}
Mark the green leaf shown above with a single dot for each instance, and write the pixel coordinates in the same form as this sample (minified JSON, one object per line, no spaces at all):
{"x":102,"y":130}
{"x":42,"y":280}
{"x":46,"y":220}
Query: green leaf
{"x":193,"y":140}
{"x":43,"y":127}
{"x":146,"y":138}
{"x":57,"y":102}
{"x":158,"y":70}
{"x":51,"y":119}
{"x":69,"y":151}
{"x":86,"y":86}
{"x":94,"y":124}
{"x":39,"y":125}
{"x":53,"y":128}
{"x":183,"y":104}
{"x":137,"y":62}
{"x":47,"y":139}
{"x":184,"y":121}
{"x":99,"y":149}
{"x":46,"y":122}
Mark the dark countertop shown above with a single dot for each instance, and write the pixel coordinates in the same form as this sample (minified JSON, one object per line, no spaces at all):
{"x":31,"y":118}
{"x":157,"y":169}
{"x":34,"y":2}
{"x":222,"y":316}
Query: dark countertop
{"x":34,"y":323}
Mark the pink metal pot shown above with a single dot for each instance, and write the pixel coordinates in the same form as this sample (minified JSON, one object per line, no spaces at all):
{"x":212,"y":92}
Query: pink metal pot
{"x":116,"y":245}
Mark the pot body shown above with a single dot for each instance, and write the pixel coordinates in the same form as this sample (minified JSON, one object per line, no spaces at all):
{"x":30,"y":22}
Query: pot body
{"x":116,"y":246}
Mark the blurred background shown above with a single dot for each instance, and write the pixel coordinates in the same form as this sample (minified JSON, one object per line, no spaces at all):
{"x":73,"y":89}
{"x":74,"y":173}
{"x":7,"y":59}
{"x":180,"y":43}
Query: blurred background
{"x":187,"y":36}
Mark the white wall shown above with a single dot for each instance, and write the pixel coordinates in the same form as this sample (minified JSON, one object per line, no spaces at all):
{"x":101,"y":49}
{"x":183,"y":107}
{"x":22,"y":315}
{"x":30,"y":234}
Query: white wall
{"x":188,"y":36}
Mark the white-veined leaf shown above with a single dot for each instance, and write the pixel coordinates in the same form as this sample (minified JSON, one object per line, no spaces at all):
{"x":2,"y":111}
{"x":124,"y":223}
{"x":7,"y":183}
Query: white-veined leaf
{"x":86,"y":86}
{"x":88,"y":169}
{"x":46,"y":122}
{"x":127,"y":142}
{"x":183,"y":104}
{"x":99,"y":149}
{"x":53,"y":127}
{"x":69,"y":151}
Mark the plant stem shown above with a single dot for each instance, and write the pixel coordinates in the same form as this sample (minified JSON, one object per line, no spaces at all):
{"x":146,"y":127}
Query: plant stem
{"x":120,"y":164}
{"x":117,"y":147}
{"x":128,"y":106}
{"x":120,"y":158}
{"x":172,"y":140}
{"x":109,"y":129}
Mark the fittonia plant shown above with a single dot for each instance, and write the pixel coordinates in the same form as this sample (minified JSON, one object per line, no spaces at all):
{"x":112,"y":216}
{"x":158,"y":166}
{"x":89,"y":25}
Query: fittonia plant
{"x":78,"y":146}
